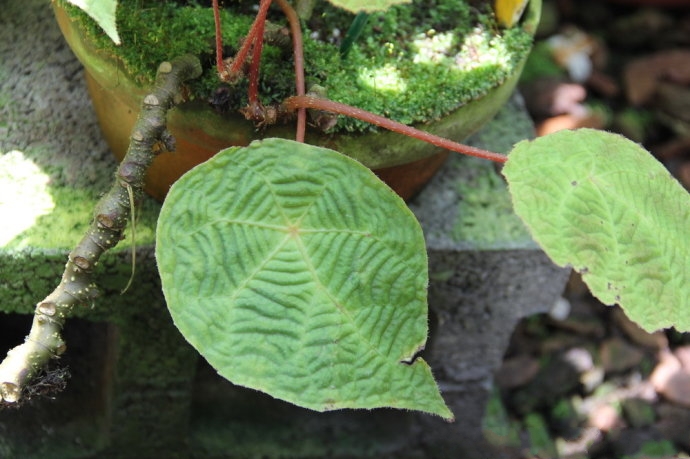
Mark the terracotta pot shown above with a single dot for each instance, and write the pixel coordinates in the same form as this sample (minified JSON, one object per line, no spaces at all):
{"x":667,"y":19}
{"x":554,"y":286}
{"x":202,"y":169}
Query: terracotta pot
{"x":405,"y":164}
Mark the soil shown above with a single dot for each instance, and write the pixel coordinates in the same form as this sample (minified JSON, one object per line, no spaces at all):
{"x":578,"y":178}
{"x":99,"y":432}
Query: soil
{"x":584,"y":381}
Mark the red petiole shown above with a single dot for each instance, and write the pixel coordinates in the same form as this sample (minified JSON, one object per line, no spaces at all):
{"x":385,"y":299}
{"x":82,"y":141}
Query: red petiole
{"x":220,"y":66}
{"x":258,"y":26}
{"x":296,"y":32}
{"x":301,"y":102}
{"x":297,"y":102}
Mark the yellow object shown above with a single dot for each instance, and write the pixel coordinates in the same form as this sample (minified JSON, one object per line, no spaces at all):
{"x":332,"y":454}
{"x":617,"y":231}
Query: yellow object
{"x":508,"y":12}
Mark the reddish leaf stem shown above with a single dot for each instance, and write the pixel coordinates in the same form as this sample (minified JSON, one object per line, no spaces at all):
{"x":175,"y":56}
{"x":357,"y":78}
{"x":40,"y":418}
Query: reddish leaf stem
{"x":250,"y":39}
{"x":219,"y":39}
{"x":259,"y":24}
{"x":304,"y":102}
{"x":296,"y":32}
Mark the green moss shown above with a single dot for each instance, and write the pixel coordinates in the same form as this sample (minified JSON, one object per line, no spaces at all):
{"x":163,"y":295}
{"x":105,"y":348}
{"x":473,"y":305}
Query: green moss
{"x":405,"y":58}
{"x":652,"y":449}
{"x":63,"y":226}
{"x":485,"y":215}
{"x":540,"y":439}
{"x":497,"y":426}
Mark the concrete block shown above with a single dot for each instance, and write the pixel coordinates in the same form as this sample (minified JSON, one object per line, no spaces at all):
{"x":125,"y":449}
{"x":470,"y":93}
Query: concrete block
{"x":137,"y":388}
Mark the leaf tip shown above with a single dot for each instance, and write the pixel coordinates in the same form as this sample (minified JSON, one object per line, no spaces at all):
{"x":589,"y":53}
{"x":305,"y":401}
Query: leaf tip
{"x":447,"y":415}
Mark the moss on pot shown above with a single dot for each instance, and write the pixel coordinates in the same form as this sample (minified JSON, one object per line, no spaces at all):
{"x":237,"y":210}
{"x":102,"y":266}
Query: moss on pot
{"x":410,"y":64}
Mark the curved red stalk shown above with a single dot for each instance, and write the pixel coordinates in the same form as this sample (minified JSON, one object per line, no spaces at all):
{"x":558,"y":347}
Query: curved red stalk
{"x":303,"y":102}
{"x":219,"y":39}
{"x":297,"y":48}
{"x":259,"y":23}
{"x":252,"y":36}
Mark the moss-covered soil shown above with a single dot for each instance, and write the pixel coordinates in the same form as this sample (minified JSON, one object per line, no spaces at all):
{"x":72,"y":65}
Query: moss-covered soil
{"x":411,"y":63}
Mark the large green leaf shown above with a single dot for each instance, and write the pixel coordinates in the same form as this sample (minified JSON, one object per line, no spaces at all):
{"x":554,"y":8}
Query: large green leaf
{"x":293,"y":270}
{"x":103,"y":12}
{"x":604,"y":205}
{"x":367,"y":5}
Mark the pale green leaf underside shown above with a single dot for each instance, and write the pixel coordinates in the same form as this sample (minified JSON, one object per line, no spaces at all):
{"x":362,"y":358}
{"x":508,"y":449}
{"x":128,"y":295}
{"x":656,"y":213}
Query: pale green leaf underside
{"x":103,"y":12}
{"x":604,"y":205}
{"x":356,"y":6}
{"x":293,"y":270}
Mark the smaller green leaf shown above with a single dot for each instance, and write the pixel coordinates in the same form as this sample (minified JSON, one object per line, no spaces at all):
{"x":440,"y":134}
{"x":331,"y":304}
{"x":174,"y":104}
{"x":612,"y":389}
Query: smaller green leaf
{"x":103,"y":12}
{"x":601,"y":203}
{"x":295,"y":271}
{"x":368,"y":6}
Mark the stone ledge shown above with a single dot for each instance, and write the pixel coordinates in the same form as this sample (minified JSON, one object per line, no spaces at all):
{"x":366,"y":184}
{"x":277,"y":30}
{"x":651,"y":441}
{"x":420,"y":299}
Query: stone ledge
{"x":476,"y":296}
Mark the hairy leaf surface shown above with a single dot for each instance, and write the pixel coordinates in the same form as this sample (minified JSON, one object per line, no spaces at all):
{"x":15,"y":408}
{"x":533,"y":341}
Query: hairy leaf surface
{"x":604,"y":205}
{"x":103,"y":12}
{"x":293,"y":270}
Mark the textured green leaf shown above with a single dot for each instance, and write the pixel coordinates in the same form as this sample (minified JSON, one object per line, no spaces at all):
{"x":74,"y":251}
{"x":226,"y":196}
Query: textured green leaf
{"x":356,"y":6}
{"x":604,"y":205}
{"x":103,"y":12}
{"x":293,"y":270}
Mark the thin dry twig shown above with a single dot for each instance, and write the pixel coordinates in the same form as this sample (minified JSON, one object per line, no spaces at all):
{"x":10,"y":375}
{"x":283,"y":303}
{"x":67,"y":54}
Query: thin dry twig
{"x":112,"y":213}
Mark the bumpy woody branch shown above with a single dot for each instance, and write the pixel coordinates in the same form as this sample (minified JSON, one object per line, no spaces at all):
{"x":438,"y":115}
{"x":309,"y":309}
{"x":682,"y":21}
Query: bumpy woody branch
{"x":112,"y":213}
